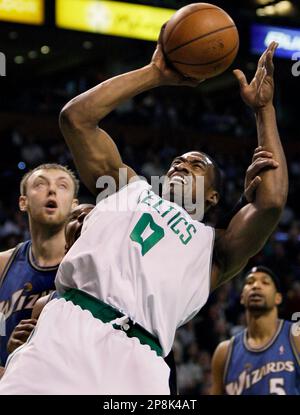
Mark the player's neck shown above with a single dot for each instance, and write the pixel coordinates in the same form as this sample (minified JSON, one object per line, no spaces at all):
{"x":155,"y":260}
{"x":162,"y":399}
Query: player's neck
{"x":48,"y":246}
{"x":261,"y":328}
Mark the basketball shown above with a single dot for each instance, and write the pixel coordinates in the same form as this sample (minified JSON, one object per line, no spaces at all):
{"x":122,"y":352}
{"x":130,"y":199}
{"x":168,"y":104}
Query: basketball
{"x":200,"y":41}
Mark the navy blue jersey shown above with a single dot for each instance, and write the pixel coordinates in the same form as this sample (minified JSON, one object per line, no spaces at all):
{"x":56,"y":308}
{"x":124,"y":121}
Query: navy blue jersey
{"x":21,"y":285}
{"x":271,"y":370}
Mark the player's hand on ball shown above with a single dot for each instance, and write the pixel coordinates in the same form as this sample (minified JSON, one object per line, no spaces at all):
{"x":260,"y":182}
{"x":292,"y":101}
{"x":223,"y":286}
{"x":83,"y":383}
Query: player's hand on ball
{"x":259,"y":93}
{"x":20,"y":334}
{"x":168,"y":75}
{"x":261,"y":160}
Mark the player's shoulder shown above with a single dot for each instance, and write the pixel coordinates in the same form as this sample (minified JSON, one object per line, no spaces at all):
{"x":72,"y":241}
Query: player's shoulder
{"x":221,"y":352}
{"x":295,"y":334}
{"x":218,"y":366}
{"x":137,"y":182}
{"x":5,"y":256}
{"x":218,"y":363}
{"x":223,"y":347}
{"x":296,"y":340}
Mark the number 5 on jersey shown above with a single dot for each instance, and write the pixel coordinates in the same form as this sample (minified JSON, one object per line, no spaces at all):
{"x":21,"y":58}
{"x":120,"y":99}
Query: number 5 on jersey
{"x":146,"y":221}
{"x":277,"y":386}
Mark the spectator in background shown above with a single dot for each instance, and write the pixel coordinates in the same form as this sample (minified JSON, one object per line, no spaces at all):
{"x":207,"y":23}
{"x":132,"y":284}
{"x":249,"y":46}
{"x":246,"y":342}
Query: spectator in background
{"x":32,"y":153}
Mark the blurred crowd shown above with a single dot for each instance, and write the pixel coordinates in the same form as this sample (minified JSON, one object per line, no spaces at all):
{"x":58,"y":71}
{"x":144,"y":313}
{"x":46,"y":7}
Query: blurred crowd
{"x":150,"y":130}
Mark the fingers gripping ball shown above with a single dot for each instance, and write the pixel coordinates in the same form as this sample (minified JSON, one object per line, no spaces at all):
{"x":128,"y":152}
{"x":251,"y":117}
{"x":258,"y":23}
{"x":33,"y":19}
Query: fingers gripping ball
{"x":200,"y":41}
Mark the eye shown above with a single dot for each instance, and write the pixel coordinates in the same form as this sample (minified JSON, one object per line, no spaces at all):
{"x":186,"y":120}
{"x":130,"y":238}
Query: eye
{"x":39,"y":184}
{"x":198,"y":166}
{"x":63,"y":186}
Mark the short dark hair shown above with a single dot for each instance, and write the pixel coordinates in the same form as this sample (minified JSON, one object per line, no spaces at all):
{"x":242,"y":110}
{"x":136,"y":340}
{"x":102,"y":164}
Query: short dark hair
{"x":49,"y":166}
{"x":266,"y":270}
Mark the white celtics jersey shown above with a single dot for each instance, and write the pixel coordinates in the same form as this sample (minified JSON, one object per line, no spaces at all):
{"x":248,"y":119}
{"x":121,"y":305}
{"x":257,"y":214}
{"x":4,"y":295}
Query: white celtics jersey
{"x":144,"y":256}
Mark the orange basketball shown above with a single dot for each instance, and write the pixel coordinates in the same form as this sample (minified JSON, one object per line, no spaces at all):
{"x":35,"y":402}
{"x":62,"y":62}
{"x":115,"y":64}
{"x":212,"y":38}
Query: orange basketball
{"x":200,"y":40}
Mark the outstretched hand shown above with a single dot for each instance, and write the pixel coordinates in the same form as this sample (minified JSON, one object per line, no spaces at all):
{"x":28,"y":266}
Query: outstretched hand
{"x":168,"y":75}
{"x":259,"y":93}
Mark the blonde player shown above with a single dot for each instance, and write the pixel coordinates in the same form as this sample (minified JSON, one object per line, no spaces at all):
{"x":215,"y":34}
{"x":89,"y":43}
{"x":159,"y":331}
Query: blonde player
{"x":27,"y":272}
{"x":142,"y":266}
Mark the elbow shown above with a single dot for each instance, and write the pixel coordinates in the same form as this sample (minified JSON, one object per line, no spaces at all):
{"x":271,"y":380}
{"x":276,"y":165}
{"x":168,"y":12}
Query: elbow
{"x":272,"y":209}
{"x":278,"y":202}
{"x":69,"y":117}
{"x":274,"y":203}
{"x":75,"y":117}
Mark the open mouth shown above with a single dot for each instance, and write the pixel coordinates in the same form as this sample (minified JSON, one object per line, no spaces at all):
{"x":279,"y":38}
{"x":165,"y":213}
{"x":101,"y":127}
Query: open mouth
{"x":178,"y":179}
{"x":255,"y":297}
{"x":51,"y":204}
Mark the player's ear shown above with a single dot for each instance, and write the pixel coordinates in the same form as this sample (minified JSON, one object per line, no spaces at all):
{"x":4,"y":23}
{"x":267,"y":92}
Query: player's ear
{"x":23,"y":203}
{"x":75,"y":203}
{"x":213,"y":198}
{"x":242,"y":299}
{"x":278,"y":298}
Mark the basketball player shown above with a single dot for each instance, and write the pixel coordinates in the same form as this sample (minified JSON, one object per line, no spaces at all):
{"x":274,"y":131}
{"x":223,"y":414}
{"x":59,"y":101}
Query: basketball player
{"x":264,"y":359}
{"x":73,"y":228}
{"x":142,"y":266}
{"x":27,"y":272}
{"x":261,"y":160}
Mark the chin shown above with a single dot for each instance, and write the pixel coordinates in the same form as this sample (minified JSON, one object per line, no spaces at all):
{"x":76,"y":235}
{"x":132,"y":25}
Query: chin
{"x":52,"y":220}
{"x":258,"y":307}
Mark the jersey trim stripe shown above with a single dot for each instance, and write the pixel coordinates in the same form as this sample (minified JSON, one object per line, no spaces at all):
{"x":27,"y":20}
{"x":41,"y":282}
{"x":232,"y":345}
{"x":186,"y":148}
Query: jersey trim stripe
{"x":37,"y":267}
{"x":9,"y":262}
{"x":269,"y":344}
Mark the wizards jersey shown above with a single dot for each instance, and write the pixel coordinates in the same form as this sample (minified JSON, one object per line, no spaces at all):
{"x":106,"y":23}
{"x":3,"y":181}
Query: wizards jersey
{"x":21,"y":285}
{"x":271,"y":370}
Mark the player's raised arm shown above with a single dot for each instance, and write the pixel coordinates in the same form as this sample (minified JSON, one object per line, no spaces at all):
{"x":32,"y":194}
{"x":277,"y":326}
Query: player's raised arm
{"x":250,"y":228}
{"x":94,"y":152}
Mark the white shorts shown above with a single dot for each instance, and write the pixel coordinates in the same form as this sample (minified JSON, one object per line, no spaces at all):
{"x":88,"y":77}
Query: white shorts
{"x":71,"y":352}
